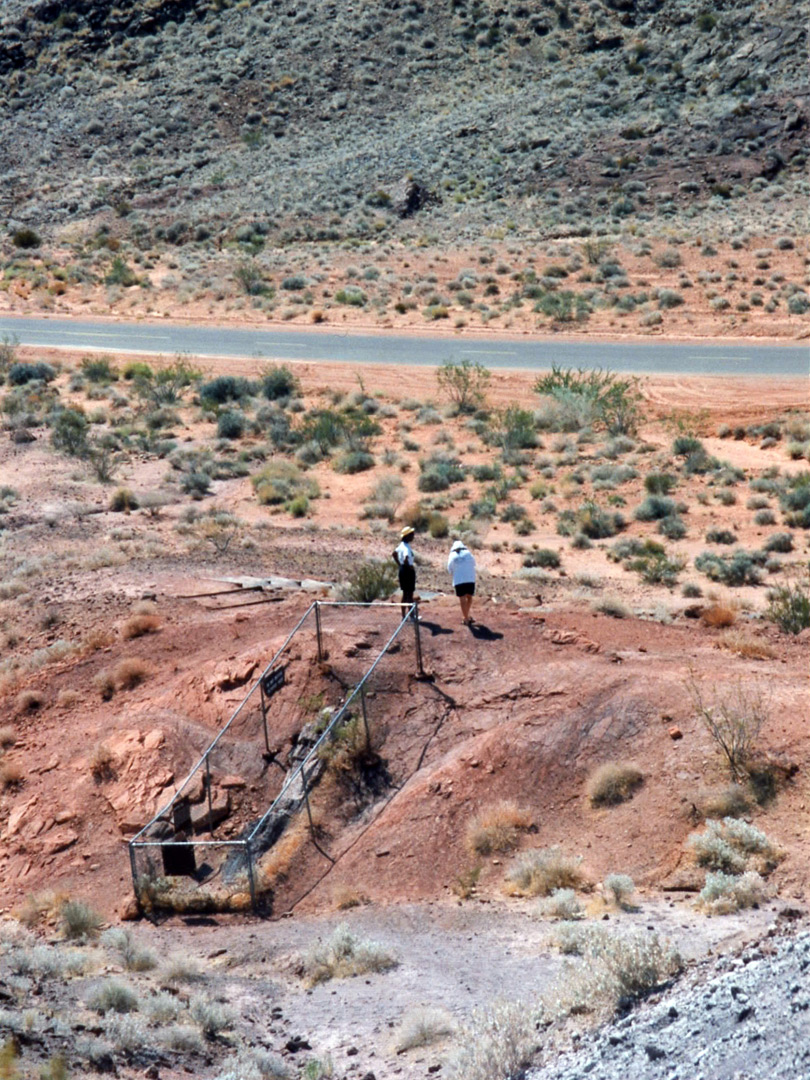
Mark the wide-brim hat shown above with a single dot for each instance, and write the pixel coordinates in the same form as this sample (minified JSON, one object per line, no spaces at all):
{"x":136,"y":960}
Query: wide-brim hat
{"x":407,"y":531}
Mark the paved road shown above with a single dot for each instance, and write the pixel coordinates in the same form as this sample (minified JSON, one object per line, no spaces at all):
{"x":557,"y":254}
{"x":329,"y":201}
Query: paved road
{"x":650,"y":357}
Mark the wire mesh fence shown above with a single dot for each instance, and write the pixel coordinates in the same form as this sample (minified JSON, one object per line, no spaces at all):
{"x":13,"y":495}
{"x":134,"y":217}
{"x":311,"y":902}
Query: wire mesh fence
{"x":245,"y":807}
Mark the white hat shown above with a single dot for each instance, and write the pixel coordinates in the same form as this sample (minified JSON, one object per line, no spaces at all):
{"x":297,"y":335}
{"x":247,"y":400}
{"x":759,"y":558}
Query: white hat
{"x":458,"y":545}
{"x":407,"y":531}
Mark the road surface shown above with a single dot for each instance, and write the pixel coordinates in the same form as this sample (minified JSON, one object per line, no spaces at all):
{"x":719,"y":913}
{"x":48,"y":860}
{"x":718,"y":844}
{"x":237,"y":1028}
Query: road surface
{"x":653,"y":357}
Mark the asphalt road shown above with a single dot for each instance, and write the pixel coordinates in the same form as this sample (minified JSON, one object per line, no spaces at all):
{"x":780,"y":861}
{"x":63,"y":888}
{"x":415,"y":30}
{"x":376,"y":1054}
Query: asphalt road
{"x":653,"y":357}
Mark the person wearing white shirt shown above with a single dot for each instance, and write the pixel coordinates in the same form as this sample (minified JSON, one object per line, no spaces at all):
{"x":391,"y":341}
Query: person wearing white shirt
{"x":403,"y":557}
{"x":461,"y":566}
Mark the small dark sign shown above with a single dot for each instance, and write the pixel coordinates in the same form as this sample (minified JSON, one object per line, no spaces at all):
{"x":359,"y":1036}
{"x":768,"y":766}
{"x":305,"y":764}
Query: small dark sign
{"x":273,"y":681}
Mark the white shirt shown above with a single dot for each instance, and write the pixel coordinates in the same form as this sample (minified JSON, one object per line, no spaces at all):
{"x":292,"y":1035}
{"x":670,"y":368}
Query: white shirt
{"x":461,"y":565}
{"x":404,"y":554}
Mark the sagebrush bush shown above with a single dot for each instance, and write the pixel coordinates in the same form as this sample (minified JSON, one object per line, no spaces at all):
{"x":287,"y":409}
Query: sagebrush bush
{"x":79,"y":920}
{"x":562,"y":904}
{"x":129,"y":673}
{"x":135,"y":957}
{"x":545,"y":557}
{"x":540,"y":872}
{"x":113,"y":996}
{"x":499,"y":1043}
{"x":423,"y":1027}
{"x":725,"y":893}
{"x":614,"y":783}
{"x":729,"y":801}
{"x":371,"y":580}
{"x":344,"y":955}
{"x":619,"y":888}
{"x":728,"y":845}
{"x":497,"y":828}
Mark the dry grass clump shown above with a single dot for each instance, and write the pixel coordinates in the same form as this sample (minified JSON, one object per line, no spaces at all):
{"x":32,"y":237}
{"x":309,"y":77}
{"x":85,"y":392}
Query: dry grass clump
{"x":729,"y":801}
{"x":611,"y":605}
{"x":562,"y":904}
{"x":497,"y":828}
{"x":29,"y":701}
{"x":8,"y":737}
{"x":130,"y":673}
{"x":344,"y":955}
{"x":12,"y":774}
{"x":104,"y":682}
{"x":102,"y":764}
{"x":747,"y":645}
{"x":423,"y":1027}
{"x":345,"y":897}
{"x":113,"y":996}
{"x":619,"y":888}
{"x":97,"y":639}
{"x":613,"y":783}
{"x":719,"y":615}
{"x":540,"y":872}
{"x":66,"y":699}
{"x":138,"y":625}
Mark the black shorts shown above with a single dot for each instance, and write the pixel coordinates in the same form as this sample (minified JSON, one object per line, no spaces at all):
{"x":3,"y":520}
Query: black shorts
{"x":467,"y":588}
{"x":407,"y":582}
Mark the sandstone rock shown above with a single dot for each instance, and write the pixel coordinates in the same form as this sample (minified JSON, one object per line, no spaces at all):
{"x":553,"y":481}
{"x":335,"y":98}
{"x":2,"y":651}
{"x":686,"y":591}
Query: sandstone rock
{"x":59,"y":840}
{"x":153,"y":740}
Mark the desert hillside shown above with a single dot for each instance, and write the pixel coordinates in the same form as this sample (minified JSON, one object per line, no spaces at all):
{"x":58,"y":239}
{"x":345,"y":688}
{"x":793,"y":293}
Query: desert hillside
{"x":626,"y":167}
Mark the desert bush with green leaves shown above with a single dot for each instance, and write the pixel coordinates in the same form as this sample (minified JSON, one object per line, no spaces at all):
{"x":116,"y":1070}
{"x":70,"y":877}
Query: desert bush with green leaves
{"x":342,"y":955}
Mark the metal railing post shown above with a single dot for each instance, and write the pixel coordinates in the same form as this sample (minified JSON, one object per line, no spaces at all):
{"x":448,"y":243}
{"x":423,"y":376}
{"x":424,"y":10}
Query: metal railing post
{"x":365,"y":714}
{"x":318,"y":631}
{"x":251,"y":878}
{"x":208,"y":786}
{"x":264,"y":716}
{"x":417,"y":638}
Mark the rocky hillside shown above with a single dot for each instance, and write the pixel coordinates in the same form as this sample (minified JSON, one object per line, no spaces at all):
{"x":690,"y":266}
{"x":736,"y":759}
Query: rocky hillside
{"x":208,"y":122}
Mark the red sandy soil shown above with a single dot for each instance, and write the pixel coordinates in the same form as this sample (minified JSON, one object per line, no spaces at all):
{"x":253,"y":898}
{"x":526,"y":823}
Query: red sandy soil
{"x":524,"y":713}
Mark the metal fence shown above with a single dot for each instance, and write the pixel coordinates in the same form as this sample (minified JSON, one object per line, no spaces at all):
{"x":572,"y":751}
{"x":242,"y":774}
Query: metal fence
{"x":333,"y":668}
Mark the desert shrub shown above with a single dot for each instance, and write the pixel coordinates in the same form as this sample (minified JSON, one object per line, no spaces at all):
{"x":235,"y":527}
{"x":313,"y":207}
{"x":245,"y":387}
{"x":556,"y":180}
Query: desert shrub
{"x":226,"y":388}
{"x":659,"y":483}
{"x":669,"y":298}
{"x":614,"y":783}
{"x":613,"y":606}
{"x":113,"y":996}
{"x":592,"y":521}
{"x":614,"y":403}
{"x":562,"y":904}
{"x":134,"y":956}
{"x":102,"y":764}
{"x":719,"y":615}
{"x":730,"y":801}
{"x":728,"y":845}
{"x":684,"y":445}
{"x":231,"y":424}
{"x":725,"y":893}
{"x":422,"y":1027}
{"x":353,"y":461}
{"x":499,"y":1043}
{"x":280,"y":481}
{"x":277,"y":381}
{"x":734,"y":719}
{"x":764,"y":517}
{"x":464,"y":382}
{"x":654,"y":508}
{"x":98,"y":369}
{"x":496,"y":828}
{"x":371,"y":580}
{"x":438,"y":525}
{"x":79,"y":920}
{"x":672,"y":527}
{"x":781,"y":542}
{"x":211,"y":1016}
{"x":21,"y":373}
{"x":344,"y":955}
{"x":619,"y":887}
{"x":738,"y":569}
{"x":123,"y":500}
{"x":385,"y":498}
{"x":29,"y":701}
{"x":789,"y":607}
{"x":618,"y":968}
{"x":720,"y":536}
{"x":196,"y":483}
{"x":25,"y":238}
{"x":545,"y":557}
{"x":438,"y":472}
{"x":138,"y":625}
{"x":129,"y":673}
{"x":541,"y":871}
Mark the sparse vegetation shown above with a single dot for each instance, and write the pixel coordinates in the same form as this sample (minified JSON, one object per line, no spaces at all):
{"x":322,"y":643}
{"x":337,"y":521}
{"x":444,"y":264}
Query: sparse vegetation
{"x":733,"y":718}
{"x":541,"y":871}
{"x":343,"y":955}
{"x":614,"y":783}
{"x":496,"y":828}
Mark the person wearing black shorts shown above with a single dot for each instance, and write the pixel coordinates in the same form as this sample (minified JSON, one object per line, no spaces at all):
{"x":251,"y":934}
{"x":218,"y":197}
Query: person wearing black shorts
{"x":403,"y":557}
{"x":461,"y":565}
